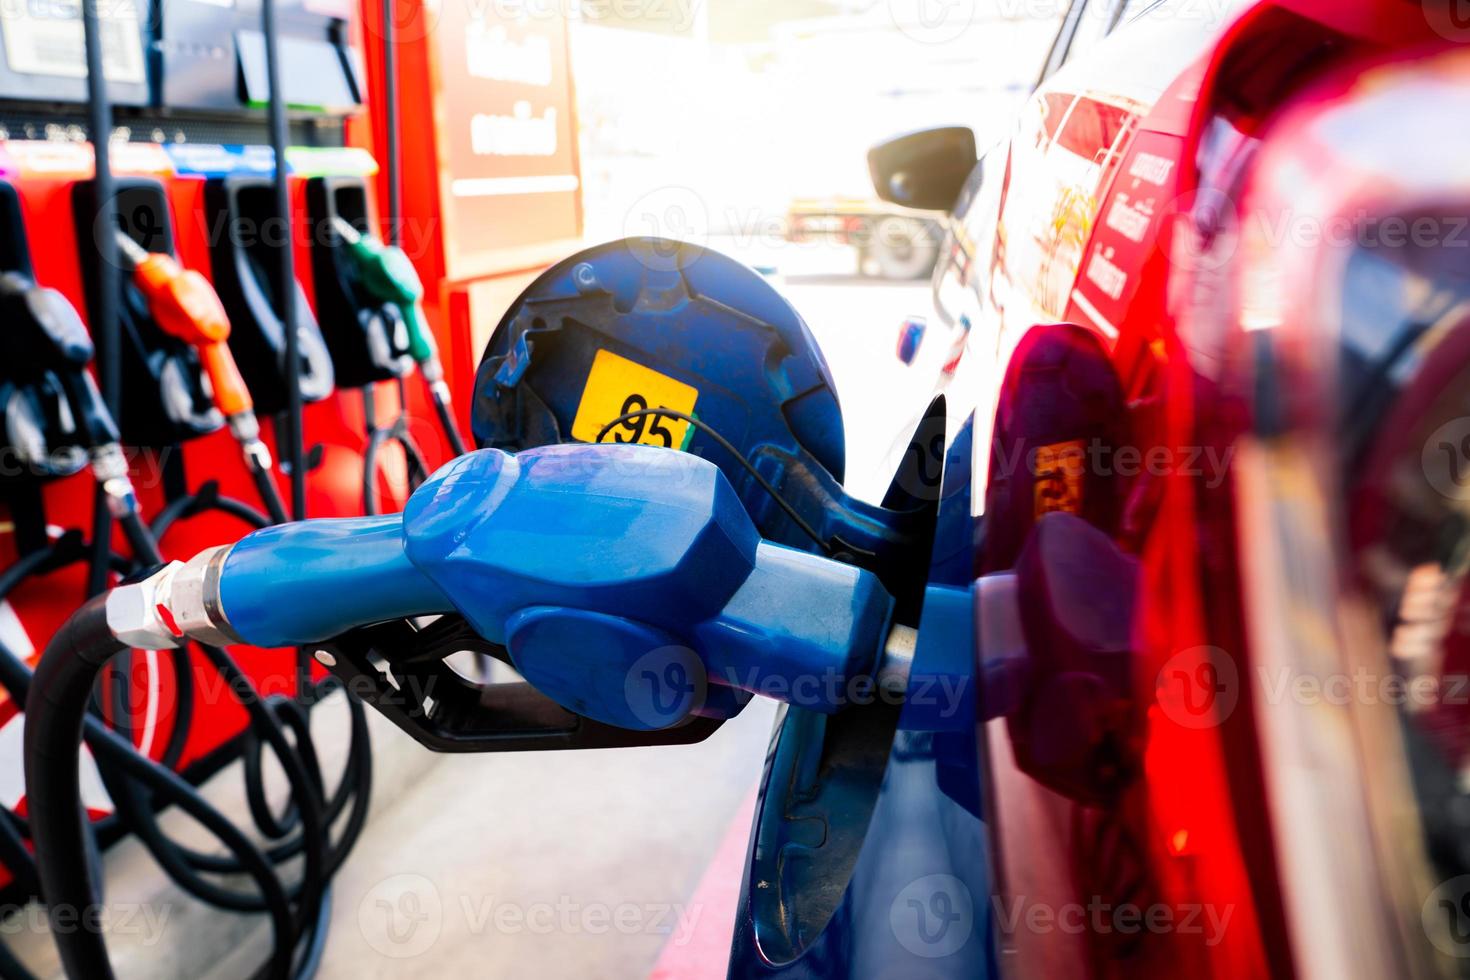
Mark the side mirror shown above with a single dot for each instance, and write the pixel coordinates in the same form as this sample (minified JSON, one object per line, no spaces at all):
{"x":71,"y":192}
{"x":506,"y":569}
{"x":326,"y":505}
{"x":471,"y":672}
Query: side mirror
{"x":924,"y":170}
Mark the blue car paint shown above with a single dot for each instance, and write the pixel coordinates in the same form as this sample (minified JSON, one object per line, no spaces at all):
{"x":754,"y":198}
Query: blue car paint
{"x":918,"y":903}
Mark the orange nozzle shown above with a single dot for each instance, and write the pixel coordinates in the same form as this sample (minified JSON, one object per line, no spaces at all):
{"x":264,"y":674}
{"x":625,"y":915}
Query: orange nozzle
{"x":185,"y":305}
{"x":230,"y":394}
{"x":182,"y":301}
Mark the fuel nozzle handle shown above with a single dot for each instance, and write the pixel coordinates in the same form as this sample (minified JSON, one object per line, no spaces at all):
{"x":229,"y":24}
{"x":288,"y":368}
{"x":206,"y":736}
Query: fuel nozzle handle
{"x":185,"y":305}
{"x":386,"y":273}
{"x":601,"y":569}
{"x":44,"y":334}
{"x":46,"y":346}
{"x":56,"y":337}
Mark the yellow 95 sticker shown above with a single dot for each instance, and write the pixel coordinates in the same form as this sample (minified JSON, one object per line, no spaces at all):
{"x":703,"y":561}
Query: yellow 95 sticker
{"x":1058,"y":471}
{"x":617,"y":386}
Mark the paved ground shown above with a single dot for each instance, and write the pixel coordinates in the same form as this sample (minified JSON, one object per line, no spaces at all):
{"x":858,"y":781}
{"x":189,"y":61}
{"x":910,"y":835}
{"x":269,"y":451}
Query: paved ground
{"x":573,"y":866}
{"x":580,"y":865}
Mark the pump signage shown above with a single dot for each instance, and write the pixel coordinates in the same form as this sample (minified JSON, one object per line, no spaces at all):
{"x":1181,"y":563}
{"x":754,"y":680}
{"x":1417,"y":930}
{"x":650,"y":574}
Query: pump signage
{"x":508,"y":142}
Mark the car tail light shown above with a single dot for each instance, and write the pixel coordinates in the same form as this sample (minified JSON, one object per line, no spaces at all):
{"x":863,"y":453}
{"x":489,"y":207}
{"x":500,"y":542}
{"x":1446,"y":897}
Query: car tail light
{"x":1345,"y":382}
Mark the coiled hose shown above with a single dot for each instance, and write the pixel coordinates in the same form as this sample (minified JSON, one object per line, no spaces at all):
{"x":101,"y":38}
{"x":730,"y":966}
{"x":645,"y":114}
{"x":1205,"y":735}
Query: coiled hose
{"x":140,"y":787}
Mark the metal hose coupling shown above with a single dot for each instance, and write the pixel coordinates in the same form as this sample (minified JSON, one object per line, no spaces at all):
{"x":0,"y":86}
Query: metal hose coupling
{"x":179,"y":602}
{"x":110,"y":469}
{"x":245,"y":427}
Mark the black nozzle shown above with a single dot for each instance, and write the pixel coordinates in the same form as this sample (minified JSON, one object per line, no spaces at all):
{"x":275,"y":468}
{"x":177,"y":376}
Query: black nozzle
{"x":368,"y":336}
{"x":48,"y":332}
{"x":50,"y":407}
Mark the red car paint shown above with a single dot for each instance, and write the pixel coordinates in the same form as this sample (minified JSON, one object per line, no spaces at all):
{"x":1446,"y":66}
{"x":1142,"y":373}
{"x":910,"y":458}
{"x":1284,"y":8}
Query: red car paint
{"x":1107,"y":209}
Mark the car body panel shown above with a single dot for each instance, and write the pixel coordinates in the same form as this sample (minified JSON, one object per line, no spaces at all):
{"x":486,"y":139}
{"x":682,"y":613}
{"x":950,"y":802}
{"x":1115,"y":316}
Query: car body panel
{"x":1088,"y":218}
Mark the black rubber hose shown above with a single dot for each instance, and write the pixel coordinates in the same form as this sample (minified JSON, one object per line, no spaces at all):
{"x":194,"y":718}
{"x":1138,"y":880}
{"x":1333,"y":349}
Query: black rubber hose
{"x":104,"y":322}
{"x":391,"y":153}
{"x":17,"y":859}
{"x":206,"y":499}
{"x":24,"y":567}
{"x":56,"y":708}
{"x":306,"y":796}
{"x":270,"y":494}
{"x":447,"y":423}
{"x":122,"y":765}
{"x":145,"y":550}
{"x":375,"y":440}
{"x":311,"y":957}
{"x":140,"y":539}
{"x":56,"y":716}
{"x":177,"y":859}
{"x":300,"y":726}
{"x":252,"y":755}
{"x":392,"y":177}
{"x":286,"y":294}
{"x":135,"y":798}
{"x":300,"y":913}
{"x":101,"y":542}
{"x":355,"y":785}
{"x":59,"y":554}
{"x":371,"y":505}
{"x":170,"y":788}
{"x":416,"y":468}
{"x":115,"y":752}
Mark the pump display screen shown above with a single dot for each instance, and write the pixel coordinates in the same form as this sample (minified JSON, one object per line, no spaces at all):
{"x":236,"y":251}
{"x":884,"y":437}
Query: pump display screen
{"x":46,"y":39}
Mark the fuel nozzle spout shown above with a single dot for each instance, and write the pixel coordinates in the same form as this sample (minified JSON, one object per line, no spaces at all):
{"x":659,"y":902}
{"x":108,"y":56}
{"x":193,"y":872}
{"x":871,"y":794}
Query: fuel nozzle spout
{"x":626,"y":583}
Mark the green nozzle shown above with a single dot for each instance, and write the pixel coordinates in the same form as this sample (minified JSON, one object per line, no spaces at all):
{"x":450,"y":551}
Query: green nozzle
{"x":386,"y":273}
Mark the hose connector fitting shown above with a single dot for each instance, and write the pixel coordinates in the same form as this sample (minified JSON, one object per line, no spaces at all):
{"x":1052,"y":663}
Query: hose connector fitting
{"x":179,"y":602}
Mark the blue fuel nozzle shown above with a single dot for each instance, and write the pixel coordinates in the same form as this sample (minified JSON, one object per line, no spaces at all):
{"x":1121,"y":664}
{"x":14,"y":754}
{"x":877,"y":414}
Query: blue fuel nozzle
{"x":626,"y":582}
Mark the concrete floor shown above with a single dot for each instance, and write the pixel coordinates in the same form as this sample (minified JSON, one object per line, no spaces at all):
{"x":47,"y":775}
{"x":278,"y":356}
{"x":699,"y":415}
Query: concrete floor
{"x":574,"y":865}
{"x":569,"y":865}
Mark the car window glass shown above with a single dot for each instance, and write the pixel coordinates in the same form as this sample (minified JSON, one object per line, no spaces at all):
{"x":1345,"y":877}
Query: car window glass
{"x":1097,"y":19}
{"x":1054,"y":106}
{"x":1092,"y":127}
{"x":1132,"y":8}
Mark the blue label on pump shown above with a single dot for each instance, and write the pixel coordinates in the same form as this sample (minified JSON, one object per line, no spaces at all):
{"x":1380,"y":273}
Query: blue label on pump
{"x":216,"y":160}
